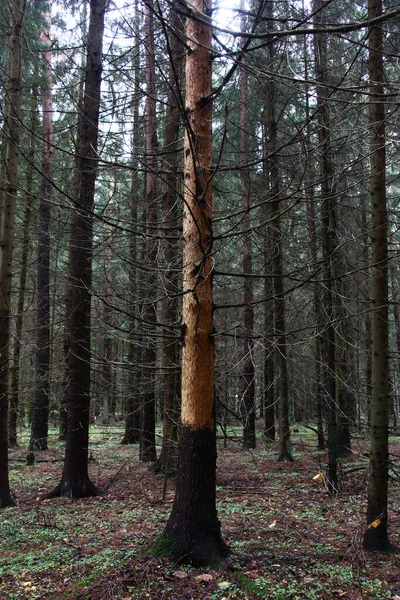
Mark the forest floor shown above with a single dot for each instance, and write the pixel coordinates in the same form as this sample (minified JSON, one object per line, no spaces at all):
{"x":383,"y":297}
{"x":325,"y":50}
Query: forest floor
{"x":288,"y":538}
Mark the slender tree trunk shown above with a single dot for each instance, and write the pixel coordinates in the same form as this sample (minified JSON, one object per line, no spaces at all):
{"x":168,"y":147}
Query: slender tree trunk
{"x":269,"y":375}
{"x":40,"y":401}
{"x":132,"y":416}
{"x":247,"y":375}
{"x":280,"y":359}
{"x":12,"y":117}
{"x":147,"y":450}
{"x":376,"y":534}
{"x":75,"y":480}
{"x":328,"y":341}
{"x":107,"y":380}
{"x":193,"y":531}
{"x":14,"y":376}
{"x":170,"y":355}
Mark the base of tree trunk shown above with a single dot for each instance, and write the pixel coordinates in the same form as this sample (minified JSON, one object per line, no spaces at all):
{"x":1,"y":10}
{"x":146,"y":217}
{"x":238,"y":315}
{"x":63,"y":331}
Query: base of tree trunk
{"x":193,"y":532}
{"x":166,"y":464}
{"x":373,"y":542}
{"x":6,"y":500}
{"x":130,"y":439}
{"x":74,"y":489}
{"x":37,"y":446}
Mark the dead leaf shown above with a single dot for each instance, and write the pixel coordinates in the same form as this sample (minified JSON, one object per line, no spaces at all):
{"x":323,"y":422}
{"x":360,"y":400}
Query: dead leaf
{"x":180,"y":574}
{"x":204,"y":577}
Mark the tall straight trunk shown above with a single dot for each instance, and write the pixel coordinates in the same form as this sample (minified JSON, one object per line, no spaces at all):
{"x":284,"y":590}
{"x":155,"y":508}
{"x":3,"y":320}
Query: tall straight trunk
{"x":147,"y":450}
{"x":306,"y":141}
{"x":132,"y":409}
{"x":75,"y":480}
{"x":280,"y":359}
{"x":193,"y":531}
{"x":108,"y":376}
{"x":376,"y":534}
{"x":328,"y":342}
{"x":368,"y":330}
{"x":14,"y":376}
{"x":170,"y":353}
{"x":40,"y":400}
{"x":12,"y":119}
{"x":247,"y":375}
{"x":269,"y":383}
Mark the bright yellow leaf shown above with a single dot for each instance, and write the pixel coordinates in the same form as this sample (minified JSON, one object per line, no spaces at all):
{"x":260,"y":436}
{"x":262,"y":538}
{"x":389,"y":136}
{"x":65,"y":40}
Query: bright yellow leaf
{"x":375,"y":523}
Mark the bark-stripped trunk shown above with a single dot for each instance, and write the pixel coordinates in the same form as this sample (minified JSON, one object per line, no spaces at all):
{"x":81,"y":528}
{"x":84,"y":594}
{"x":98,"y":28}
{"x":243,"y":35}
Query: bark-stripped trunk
{"x":14,"y":376}
{"x":40,"y":400}
{"x":247,"y":375}
{"x":376,"y":534}
{"x":193,"y":531}
{"x":7,"y":232}
{"x":75,"y":480}
{"x":170,"y":356}
{"x":147,"y":450}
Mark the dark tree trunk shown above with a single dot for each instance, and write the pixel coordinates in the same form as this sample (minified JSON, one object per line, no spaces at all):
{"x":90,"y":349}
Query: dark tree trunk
{"x":376,"y":534}
{"x":40,"y":400}
{"x":328,"y":340}
{"x":247,"y":375}
{"x":132,"y":409}
{"x":170,"y":393}
{"x":147,"y":449}
{"x":12,"y":123}
{"x":75,"y":480}
{"x":280,"y":359}
{"x":14,"y":375}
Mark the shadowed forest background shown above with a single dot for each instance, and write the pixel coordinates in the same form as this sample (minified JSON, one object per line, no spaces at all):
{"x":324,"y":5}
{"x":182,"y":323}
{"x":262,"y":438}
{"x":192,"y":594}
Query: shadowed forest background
{"x":199,"y":257}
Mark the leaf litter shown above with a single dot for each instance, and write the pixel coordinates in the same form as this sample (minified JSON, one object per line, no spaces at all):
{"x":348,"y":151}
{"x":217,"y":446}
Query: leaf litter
{"x":289,"y":539}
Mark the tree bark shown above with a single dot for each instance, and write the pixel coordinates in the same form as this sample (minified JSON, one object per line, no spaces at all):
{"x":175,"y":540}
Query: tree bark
{"x":7,"y":232}
{"x":328,"y":340}
{"x":170,"y":392}
{"x":132,"y":409}
{"x":193,"y":531}
{"x":75,"y":480}
{"x":147,"y":448}
{"x":376,"y":534}
{"x":280,"y":359}
{"x":40,"y":400}
{"x":14,"y":375}
{"x":247,"y":375}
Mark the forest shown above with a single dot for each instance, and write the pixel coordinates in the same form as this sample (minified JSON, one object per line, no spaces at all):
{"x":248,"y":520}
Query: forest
{"x":199,"y":299}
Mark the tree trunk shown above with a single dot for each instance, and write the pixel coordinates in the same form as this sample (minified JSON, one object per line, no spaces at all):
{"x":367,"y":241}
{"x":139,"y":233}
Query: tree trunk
{"x":12,"y":119}
{"x":280,"y":366}
{"x":40,"y":400}
{"x":167,"y":459}
{"x":132,"y":409}
{"x":14,"y":376}
{"x":376,"y":534}
{"x":147,"y":449}
{"x":247,"y":375}
{"x":327,"y":341}
{"x":193,"y":531}
{"x":75,"y":480}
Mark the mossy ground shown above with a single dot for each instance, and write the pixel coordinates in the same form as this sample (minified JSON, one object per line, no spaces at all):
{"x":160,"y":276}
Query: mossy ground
{"x":288,"y":538}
